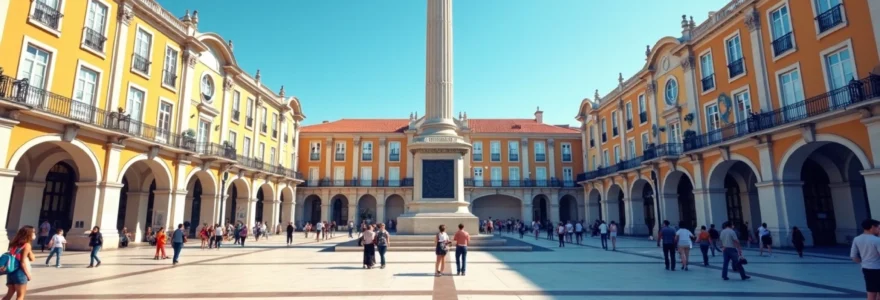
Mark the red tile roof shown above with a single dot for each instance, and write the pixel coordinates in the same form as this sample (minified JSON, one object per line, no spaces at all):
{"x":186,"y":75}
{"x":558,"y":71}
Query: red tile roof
{"x":476,"y":125}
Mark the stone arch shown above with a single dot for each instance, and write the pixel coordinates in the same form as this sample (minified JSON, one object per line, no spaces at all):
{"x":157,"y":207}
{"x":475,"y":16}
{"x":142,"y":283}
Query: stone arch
{"x":615,"y":208}
{"x":238,"y":198}
{"x":800,"y":150}
{"x":732,"y":195}
{"x":497,"y":206}
{"x":679,"y":204}
{"x":201,"y":205}
{"x":720,"y":168}
{"x":395,"y":206}
{"x":217,"y":43}
{"x":312,"y":209}
{"x":296,"y":108}
{"x":205,"y":176}
{"x":568,"y":209}
{"x":643,"y":206}
{"x":264,"y":208}
{"x":366,"y":209}
{"x":659,"y":45}
{"x":339,"y":212}
{"x":673,"y":177}
{"x":160,"y":170}
{"x":86,"y":161}
{"x":541,"y":208}
{"x":594,"y":205}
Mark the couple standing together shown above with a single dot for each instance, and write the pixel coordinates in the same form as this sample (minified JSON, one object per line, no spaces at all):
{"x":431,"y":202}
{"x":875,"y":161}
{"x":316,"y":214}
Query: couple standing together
{"x":462,"y":240}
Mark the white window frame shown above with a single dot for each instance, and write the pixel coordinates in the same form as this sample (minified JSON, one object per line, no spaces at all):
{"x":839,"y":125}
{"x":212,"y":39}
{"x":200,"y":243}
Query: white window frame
{"x":478,"y":176}
{"x":264,"y":114}
{"x":336,"y":151}
{"x":782,"y":71}
{"x":513,"y":148}
{"x":149,"y":54}
{"x":163,"y":100}
{"x":393,"y":181}
{"x":232,"y":137}
{"x":249,"y":113}
{"x":628,"y":108}
{"x":514,"y":180}
{"x":494,"y":145}
{"x":768,"y":16}
{"x":542,"y":181}
{"x":366,"y":147}
{"x":399,"y":152}
{"x":707,"y":52}
{"x":165,"y":66}
{"x":645,"y":141}
{"x":236,"y":105}
{"x":820,"y":35}
{"x":712,"y":134}
{"x":595,"y":163}
{"x":261,"y":148}
{"x":570,"y":174}
{"x":313,"y":181}
{"x":735,"y":102}
{"x":478,"y":149}
{"x":643,"y":107}
{"x":314,"y":147}
{"x":745,"y":72}
{"x":846,"y":44}
{"x":615,"y":123}
{"x":496,"y":180}
{"x":606,"y":161}
{"x":131,"y":86}
{"x":543,"y":149}
{"x":55,"y":32}
{"x":81,"y":64}
{"x":247,"y":144}
{"x":50,"y":65}
{"x":366,"y":181}
{"x":104,"y":29}
{"x":673,"y":132}
{"x":603,"y":130}
{"x":631,"y":148}
{"x":617,"y":155}
{"x":272,"y":155}
{"x":562,"y":147}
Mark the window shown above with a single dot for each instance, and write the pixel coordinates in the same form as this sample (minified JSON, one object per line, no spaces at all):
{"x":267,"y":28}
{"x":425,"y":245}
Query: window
{"x":671,"y":92}
{"x":35,"y":68}
{"x":85,"y":92}
{"x":314,"y":176}
{"x":394,"y":153}
{"x":541,"y":176}
{"x":780,"y":31}
{"x":339,"y":176}
{"x":247,"y":146}
{"x":614,"y":123}
{"x":272,"y":155}
{"x":540,"y":155}
{"x":566,"y":152}
{"x":629,"y":116}
{"x":604,"y":131}
{"x":743,"y":105}
{"x":708,"y":72}
{"x":495,"y":150}
{"x":792,"y":93}
{"x":592,"y":139}
{"x":617,"y":154}
{"x":164,"y":123}
{"x":478,"y":151}
{"x":605,"y":161}
{"x":735,"y":64}
{"x":713,"y":123}
{"x":261,"y":151}
{"x":567,"y":177}
{"x":839,"y":66}
{"x":645,"y":141}
{"x":203,"y":137}
{"x":232,"y":138}
{"x":366,"y":176}
{"x":394,"y":176}
{"x":274,"y":125}
{"x":249,"y":113}
{"x":367,"y":151}
{"x":135,"y":106}
{"x":643,"y":110}
{"x":340,"y":151}
{"x":169,"y":69}
{"x":631,"y":147}
{"x":263,"y":116}
{"x":140,"y":61}
{"x":513,"y":176}
{"x":513,"y":151}
{"x":673,"y":135}
{"x":314,"y":150}
{"x":236,"y":106}
{"x":595,"y":162}
{"x":496,"y":176}
{"x":828,"y":14}
{"x":96,"y":20}
{"x":478,"y":176}
{"x":47,"y":13}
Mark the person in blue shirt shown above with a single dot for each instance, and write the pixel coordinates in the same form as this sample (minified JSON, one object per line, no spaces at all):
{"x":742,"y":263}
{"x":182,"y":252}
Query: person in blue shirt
{"x":667,"y":239}
{"x":177,"y":240}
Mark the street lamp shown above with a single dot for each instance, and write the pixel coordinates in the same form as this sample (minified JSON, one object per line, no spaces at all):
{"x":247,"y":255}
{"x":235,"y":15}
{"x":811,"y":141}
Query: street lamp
{"x":225,"y":176}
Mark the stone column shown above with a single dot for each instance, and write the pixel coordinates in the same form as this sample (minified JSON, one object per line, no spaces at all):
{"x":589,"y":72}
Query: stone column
{"x":753,"y":21}
{"x":636,"y":210}
{"x":554,"y":211}
{"x":439,"y":71}
{"x":296,"y":129}
{"x":209,"y":210}
{"x":653,"y":116}
{"x":669,"y":208}
{"x":162,"y":208}
{"x":6,"y":178}
{"x":326,"y":212}
{"x":783,"y":207}
{"x":125,"y":13}
{"x":252,"y":212}
{"x":241,"y":209}
{"x":184,"y":103}
{"x":226,"y":111}
{"x":223,"y":201}
{"x":525,"y":158}
{"x":383,"y":157}
{"x":109,"y":214}
{"x":328,"y":158}
{"x":380,"y":213}
{"x":847,"y":213}
{"x":872,"y":184}
{"x":527,"y":215}
{"x":25,"y":205}
{"x":715,"y":207}
{"x":690,"y":92}
{"x":178,"y":204}
{"x":355,"y":160}
{"x":352,"y":215}
{"x":136,"y":214}
{"x":288,"y":212}
{"x":551,"y":153}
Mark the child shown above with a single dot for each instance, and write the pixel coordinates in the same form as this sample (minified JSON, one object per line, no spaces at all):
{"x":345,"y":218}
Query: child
{"x":56,"y":247}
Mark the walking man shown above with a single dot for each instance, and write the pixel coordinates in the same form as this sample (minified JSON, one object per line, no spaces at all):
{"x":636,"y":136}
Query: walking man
{"x":667,"y":238}
{"x":318,"y":227}
{"x":732,"y":251}
{"x":462,"y":238}
{"x":603,"y":231}
{"x":290,"y":230}
{"x":351,"y":229}
{"x":177,"y":240}
{"x":713,"y":234}
{"x":866,"y":251}
{"x":579,"y":232}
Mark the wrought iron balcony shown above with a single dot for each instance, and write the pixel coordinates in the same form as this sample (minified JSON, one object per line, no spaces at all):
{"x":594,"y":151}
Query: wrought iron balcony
{"x":643,"y":117}
{"x":217,"y":150}
{"x":140,"y":63}
{"x":566,"y":157}
{"x":46,"y":15}
{"x":169,"y":78}
{"x":250,"y":121}
{"x":394,"y":157}
{"x":662,"y":150}
{"x":314,"y":156}
{"x":736,"y":68}
{"x":540,"y":157}
{"x":478,"y":156}
{"x":407,"y":182}
{"x":235,"y":115}
{"x":496,"y":156}
{"x":708,"y":82}
{"x":367,"y":156}
{"x":513,"y":156}
{"x":838,"y":99}
{"x":581,"y":177}
{"x":340,"y":157}
{"x":629,"y":124}
{"x":783,"y":44}
{"x":830,"y":18}
{"x":94,"y":39}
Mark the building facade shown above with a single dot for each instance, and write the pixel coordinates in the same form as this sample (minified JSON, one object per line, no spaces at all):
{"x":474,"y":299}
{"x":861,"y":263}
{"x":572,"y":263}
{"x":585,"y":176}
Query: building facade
{"x":118,"y":113}
{"x":361,"y":169}
{"x":764,"y":113}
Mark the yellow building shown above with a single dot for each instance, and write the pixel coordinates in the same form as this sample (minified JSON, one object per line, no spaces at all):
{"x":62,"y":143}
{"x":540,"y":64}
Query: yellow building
{"x":361,"y":169}
{"x":764,"y":113}
{"x":120,"y":114}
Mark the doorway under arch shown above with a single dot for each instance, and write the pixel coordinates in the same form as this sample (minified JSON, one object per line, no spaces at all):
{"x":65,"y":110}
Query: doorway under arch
{"x":568,"y":209}
{"x":540,"y":208}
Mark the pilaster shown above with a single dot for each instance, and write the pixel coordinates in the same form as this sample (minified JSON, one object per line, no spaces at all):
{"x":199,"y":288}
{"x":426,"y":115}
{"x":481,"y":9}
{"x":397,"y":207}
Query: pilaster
{"x":873,"y":9}
{"x":136,"y":214}
{"x":296,"y":130}
{"x":328,"y":158}
{"x":782,"y":207}
{"x":356,"y":159}
{"x":125,"y":14}
{"x":225,"y":117}
{"x":184,"y":102}
{"x":410,"y":165}
{"x":849,"y":209}
{"x":163,"y":201}
{"x":753,"y":20}
{"x":715,"y":207}
{"x":872,"y":188}
{"x":85,"y":214}
{"x":526,"y":172}
{"x":4,"y":12}
{"x":210,"y":210}
{"x":6,"y":125}
{"x":109,"y":210}
{"x":690,"y":91}
{"x":6,"y":179}
{"x":551,"y":151}
{"x":383,"y":156}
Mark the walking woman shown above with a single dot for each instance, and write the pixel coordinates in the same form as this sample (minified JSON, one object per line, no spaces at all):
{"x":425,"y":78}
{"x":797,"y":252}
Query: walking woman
{"x":383,"y":240}
{"x":683,"y":238}
{"x":797,"y":239}
{"x":20,"y":247}
{"x":243,"y":234}
{"x":203,"y":235}
{"x":96,"y":240}
{"x":704,"y":239}
{"x":612,"y":230}
{"x":537,"y":229}
{"x":369,"y":247}
{"x":160,"y":244}
{"x":442,"y":242}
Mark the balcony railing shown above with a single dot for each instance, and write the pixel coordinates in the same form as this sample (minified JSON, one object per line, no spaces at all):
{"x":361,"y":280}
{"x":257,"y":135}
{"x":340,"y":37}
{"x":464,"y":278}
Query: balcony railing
{"x":217,"y":150}
{"x":94,"y":39}
{"x":708,"y":82}
{"x":140,"y":63}
{"x":513,"y":156}
{"x":496,"y":156}
{"x":367,"y":156}
{"x":566,"y":157}
{"x":235,"y":115}
{"x":643,"y":117}
{"x":838,"y":99}
{"x":46,"y":15}
{"x":340,"y":156}
{"x":169,"y":78}
{"x":737,"y":67}
{"x":782,"y":44}
{"x":314,"y":156}
{"x":250,"y":121}
{"x":629,"y":124}
{"x":526,"y":183}
{"x":478,"y":156}
{"x":662,"y":150}
{"x":540,"y":157}
{"x":830,"y":18}
{"x":394,"y":157}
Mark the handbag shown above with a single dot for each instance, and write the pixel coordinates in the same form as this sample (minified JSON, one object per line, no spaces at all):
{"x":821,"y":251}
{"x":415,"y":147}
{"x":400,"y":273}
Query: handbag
{"x":743,"y":261}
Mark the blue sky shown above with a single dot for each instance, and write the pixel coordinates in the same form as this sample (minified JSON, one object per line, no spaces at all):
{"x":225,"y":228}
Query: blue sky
{"x":366,"y":59}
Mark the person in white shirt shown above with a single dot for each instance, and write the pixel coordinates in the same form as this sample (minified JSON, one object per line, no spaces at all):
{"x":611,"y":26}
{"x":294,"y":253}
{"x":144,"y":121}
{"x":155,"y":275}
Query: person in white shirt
{"x":612,"y":232}
{"x":684,"y":240}
{"x":766,"y":240}
{"x":218,"y":236}
{"x":866,"y":252}
{"x":579,"y":232}
{"x":56,"y":246}
{"x":318,"y":227}
{"x":569,"y":230}
{"x":442,"y":242}
{"x":603,"y":231}
{"x":560,"y":232}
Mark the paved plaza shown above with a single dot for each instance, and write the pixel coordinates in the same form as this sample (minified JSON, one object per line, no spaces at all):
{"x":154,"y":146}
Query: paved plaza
{"x":311,"y":270}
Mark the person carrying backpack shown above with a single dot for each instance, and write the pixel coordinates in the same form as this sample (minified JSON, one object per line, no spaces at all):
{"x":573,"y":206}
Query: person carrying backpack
{"x":382,"y":241}
{"x":16,"y":269}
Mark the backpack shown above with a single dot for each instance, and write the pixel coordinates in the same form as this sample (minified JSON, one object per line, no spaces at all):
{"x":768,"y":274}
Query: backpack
{"x":381,"y":238}
{"x":9,"y":263}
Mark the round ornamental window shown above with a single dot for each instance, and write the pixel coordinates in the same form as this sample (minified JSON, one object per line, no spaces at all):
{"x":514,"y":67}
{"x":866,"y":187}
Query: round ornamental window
{"x":671,"y":92}
{"x":207,"y":87}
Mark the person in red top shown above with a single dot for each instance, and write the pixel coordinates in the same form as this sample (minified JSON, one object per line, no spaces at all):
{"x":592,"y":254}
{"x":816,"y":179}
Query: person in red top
{"x":462,"y":239}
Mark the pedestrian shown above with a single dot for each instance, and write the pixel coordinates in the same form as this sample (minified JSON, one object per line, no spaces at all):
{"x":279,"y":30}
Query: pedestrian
{"x":569,"y":232}
{"x":579,"y":232}
{"x":683,"y":238}
{"x":369,"y":244}
{"x":551,"y":230}
{"x":96,"y":240}
{"x":704,"y":239}
{"x":290,"y":230}
{"x":797,"y":239}
{"x":766,"y":240}
{"x":612,"y":232}
{"x":442,"y":242}
{"x":307,"y":228}
{"x":264,"y":230}
{"x":178,"y":238}
{"x":319,"y":226}
{"x":43,"y":239}
{"x":235,"y":233}
{"x":383,"y":240}
{"x":489,"y":226}
{"x":522,"y":229}
{"x":732,"y":251}
{"x":124,"y":238}
{"x":20,"y":248}
{"x":243,"y":234}
{"x":218,"y":235}
{"x":537,"y":229}
{"x":203,"y":235}
{"x":462,"y":239}
{"x":56,"y":247}
{"x":560,"y":232}
{"x":866,"y":252}
{"x":161,"y":238}
{"x":351,"y":229}
{"x":713,"y":234}
{"x":603,"y":233}
{"x":667,"y":238}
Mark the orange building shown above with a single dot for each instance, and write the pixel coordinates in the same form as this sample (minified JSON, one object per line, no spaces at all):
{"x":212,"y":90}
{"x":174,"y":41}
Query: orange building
{"x":764,"y":113}
{"x":360,"y":169}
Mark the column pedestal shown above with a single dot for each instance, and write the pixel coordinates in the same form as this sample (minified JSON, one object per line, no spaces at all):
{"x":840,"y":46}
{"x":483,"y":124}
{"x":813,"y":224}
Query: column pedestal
{"x":25,"y":205}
